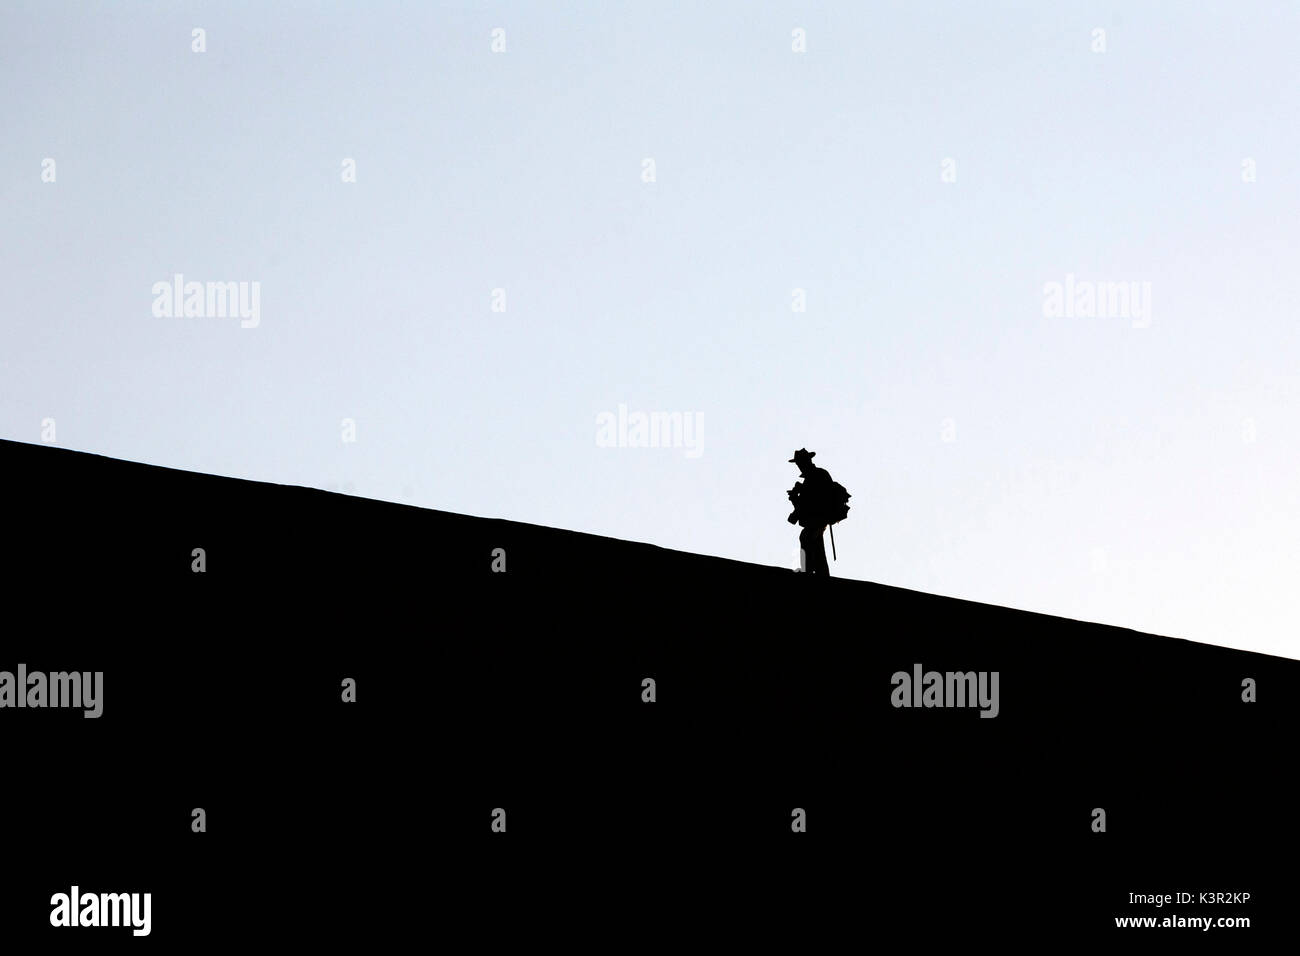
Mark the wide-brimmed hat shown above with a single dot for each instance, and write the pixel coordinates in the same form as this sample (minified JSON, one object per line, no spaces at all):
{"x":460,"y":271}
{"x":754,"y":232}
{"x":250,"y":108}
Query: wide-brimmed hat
{"x":803,"y":454}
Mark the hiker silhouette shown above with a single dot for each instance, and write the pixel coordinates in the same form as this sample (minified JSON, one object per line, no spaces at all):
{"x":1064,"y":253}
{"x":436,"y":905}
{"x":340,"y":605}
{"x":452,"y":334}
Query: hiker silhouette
{"x":819,"y":502}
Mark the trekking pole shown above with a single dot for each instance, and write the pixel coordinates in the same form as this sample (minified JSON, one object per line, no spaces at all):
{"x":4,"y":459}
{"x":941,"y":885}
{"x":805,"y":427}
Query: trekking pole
{"x":833,"y":556}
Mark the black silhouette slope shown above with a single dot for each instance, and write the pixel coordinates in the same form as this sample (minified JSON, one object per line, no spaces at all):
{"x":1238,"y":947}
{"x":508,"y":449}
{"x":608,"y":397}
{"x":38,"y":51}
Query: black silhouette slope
{"x":478,"y":689}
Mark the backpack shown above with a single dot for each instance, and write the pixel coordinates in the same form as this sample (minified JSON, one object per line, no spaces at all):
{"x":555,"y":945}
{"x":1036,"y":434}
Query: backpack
{"x":837,"y":503}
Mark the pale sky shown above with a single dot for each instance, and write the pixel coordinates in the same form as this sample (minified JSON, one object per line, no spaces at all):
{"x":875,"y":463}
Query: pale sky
{"x":1131,"y":471}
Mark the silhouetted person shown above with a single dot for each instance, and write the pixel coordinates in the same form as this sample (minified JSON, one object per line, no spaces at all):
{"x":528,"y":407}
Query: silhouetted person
{"x":814,"y":504}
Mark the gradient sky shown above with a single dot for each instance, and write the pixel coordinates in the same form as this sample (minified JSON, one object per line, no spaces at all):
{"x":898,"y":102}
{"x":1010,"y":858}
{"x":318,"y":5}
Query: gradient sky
{"x":1139,"y":476}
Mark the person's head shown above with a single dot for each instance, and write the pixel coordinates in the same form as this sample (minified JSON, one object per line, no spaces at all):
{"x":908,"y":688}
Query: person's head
{"x":803,"y":458}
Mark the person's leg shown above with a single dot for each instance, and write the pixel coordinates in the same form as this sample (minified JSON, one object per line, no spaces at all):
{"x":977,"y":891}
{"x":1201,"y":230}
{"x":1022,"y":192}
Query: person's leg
{"x":806,"y":551}
{"x":817,"y":552}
